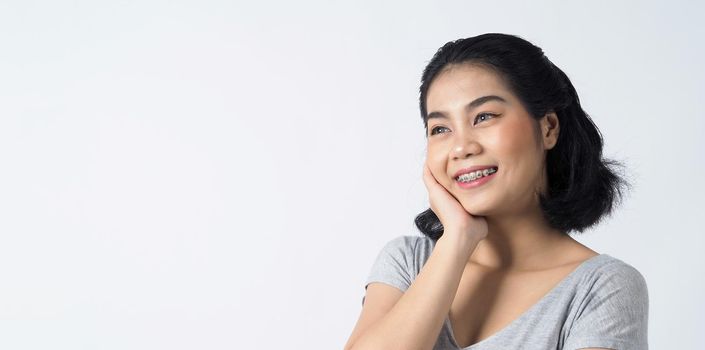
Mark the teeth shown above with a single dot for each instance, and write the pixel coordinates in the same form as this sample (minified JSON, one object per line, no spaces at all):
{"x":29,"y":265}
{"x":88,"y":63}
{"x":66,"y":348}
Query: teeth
{"x":476,"y":175}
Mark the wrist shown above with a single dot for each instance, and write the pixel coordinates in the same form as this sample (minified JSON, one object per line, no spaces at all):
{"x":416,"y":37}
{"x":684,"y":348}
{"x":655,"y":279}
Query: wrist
{"x":462,"y":242}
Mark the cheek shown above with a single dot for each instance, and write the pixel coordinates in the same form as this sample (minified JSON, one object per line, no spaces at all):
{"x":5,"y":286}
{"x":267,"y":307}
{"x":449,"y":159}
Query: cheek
{"x":514,"y":147}
{"x":432,"y":163}
{"x":437,"y":164}
{"x":516,"y":137}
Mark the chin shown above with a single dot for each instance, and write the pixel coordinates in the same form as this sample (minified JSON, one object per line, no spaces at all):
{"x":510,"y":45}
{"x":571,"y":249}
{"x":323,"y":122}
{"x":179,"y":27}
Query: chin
{"x":477,"y":210}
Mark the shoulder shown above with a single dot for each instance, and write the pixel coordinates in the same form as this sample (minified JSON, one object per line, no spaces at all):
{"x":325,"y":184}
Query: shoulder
{"x":608,"y":274}
{"x":612,"y":286}
{"x":408,"y":250}
{"x":402,"y":241}
{"x":409,"y":244}
{"x":612,"y":306}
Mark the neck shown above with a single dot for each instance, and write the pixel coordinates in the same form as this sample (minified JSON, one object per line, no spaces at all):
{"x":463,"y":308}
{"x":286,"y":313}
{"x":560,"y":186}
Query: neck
{"x":518,"y":242}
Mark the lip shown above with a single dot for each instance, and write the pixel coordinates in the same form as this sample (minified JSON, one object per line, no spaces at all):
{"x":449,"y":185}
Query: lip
{"x":475,"y":183}
{"x":473,"y":168}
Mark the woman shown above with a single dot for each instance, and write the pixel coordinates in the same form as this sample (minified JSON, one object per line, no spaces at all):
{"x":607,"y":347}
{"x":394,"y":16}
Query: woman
{"x":496,"y":267}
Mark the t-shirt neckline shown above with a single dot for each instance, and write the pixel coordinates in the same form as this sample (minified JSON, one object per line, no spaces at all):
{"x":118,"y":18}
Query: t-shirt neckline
{"x":531,"y":309}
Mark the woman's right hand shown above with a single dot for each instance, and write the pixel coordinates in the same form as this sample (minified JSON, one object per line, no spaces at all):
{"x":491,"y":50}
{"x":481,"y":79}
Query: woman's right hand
{"x":453,"y":216}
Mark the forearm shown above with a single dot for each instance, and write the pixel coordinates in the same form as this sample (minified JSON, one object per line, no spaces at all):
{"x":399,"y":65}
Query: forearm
{"x":416,"y":319}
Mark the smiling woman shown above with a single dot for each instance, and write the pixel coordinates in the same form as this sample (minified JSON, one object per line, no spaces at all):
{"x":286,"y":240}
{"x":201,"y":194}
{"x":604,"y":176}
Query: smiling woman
{"x":513,"y":167}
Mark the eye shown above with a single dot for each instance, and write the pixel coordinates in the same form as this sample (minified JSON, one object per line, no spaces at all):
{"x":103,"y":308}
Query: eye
{"x":484,"y":115}
{"x":436,"y":128}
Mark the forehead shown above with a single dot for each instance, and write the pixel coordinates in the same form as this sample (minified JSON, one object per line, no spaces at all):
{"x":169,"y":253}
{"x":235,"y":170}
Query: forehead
{"x":457,"y":84}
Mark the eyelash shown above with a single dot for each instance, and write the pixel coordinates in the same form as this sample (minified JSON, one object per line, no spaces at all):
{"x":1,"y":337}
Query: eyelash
{"x":479,"y":115}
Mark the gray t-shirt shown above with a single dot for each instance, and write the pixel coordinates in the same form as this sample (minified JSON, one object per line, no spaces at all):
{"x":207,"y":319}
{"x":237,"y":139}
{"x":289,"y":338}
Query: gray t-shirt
{"x":603,"y":303}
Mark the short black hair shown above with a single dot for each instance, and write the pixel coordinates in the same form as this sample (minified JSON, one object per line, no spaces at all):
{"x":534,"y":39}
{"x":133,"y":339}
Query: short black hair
{"x":582,"y":186}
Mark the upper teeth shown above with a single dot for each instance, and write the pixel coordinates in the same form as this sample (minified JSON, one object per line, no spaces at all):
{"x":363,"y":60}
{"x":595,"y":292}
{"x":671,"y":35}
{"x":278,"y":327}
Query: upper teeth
{"x":476,"y":174}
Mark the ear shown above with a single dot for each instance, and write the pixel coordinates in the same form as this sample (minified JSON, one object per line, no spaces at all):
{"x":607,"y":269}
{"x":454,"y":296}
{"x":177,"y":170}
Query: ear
{"x":550,"y":128}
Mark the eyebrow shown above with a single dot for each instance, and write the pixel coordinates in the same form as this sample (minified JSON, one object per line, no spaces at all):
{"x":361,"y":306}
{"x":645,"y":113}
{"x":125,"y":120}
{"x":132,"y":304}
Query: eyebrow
{"x":478,"y":101}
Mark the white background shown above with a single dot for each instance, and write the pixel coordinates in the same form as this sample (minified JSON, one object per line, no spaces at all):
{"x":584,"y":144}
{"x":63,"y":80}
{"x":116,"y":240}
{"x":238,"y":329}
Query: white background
{"x":220,"y":175}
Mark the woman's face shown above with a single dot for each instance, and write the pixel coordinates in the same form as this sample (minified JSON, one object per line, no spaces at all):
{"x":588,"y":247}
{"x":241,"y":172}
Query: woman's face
{"x":467,"y":128}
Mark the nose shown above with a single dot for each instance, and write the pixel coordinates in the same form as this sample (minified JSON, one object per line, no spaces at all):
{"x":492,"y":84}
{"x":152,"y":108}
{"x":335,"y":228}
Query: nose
{"x":464,"y":149}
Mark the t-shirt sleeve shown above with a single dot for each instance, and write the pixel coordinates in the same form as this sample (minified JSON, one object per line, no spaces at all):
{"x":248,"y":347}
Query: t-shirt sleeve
{"x":614,"y":314}
{"x":394,"y":264}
